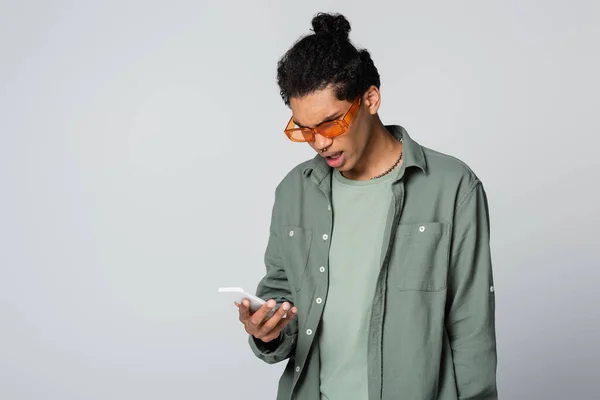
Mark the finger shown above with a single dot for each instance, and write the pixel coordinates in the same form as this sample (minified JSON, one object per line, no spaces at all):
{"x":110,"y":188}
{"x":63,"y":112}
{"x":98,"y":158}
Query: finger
{"x":244,"y":310}
{"x":275,"y":332}
{"x":259,"y":316}
{"x":285,"y":321}
{"x":281,"y":324}
{"x":272,"y":322}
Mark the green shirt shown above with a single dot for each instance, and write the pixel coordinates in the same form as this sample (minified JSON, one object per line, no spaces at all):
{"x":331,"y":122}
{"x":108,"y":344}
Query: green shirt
{"x":360,"y":211}
{"x":431,"y":327}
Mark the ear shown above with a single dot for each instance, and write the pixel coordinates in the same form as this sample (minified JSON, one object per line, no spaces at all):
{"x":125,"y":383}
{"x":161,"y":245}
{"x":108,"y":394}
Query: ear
{"x":372,"y":99}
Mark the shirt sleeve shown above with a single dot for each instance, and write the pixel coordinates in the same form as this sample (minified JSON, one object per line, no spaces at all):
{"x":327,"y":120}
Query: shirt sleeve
{"x":274,"y":285}
{"x":470,"y":320}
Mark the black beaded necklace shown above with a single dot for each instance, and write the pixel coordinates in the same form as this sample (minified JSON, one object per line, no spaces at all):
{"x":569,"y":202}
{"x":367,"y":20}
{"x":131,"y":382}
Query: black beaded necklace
{"x":393,"y":166}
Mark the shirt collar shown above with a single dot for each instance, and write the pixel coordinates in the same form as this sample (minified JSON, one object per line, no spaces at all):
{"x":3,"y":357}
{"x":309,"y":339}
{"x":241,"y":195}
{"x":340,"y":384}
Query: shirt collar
{"x":412,"y":156}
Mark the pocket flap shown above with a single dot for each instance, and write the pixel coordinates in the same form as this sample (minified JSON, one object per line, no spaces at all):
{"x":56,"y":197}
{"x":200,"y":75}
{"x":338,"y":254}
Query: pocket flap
{"x":430,"y":228}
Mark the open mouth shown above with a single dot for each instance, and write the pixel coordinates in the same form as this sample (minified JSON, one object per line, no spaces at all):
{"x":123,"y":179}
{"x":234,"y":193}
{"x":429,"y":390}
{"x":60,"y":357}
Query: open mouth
{"x":335,"y":160}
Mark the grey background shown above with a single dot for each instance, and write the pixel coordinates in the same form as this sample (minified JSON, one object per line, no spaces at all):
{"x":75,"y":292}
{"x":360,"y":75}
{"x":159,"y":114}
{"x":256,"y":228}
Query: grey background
{"x":141,"y":142}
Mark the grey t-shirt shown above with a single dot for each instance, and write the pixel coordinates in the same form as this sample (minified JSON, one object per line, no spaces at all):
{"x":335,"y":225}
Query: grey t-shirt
{"x":360,"y":209}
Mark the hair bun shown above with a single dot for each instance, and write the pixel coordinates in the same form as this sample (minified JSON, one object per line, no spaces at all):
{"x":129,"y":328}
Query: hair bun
{"x":331,"y":24}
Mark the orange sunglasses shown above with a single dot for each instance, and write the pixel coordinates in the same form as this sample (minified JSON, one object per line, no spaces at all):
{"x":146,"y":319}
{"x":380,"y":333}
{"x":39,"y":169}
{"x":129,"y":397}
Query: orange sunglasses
{"x":328,"y":129}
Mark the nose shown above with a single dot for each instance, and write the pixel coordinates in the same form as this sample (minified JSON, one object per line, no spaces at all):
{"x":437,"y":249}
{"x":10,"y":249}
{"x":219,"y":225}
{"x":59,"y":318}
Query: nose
{"x":322,"y":142}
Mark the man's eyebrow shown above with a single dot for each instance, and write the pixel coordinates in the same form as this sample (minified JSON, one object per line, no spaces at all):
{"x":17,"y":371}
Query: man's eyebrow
{"x":330,"y":118}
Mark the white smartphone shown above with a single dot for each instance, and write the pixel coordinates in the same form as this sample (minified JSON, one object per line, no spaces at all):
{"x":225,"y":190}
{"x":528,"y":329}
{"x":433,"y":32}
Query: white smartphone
{"x":238,"y":294}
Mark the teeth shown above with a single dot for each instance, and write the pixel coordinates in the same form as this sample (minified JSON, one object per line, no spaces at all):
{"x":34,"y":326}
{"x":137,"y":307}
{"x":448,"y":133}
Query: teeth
{"x":335,"y":156}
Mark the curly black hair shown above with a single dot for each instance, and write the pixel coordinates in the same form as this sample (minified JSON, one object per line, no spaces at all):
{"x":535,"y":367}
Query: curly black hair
{"x":326,"y":57}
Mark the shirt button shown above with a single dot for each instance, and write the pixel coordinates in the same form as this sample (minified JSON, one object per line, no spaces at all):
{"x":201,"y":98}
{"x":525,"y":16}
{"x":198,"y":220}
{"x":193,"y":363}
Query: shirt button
{"x":322,"y":269}
{"x":325,"y":237}
{"x":319,"y":300}
{"x":421,"y":228}
{"x":309,"y":332}
{"x":329,"y":207}
{"x":298,"y":369}
{"x":492,"y":289}
{"x":291,"y":233}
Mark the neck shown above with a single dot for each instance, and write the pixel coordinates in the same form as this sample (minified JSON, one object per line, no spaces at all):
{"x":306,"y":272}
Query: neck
{"x":381,"y":152}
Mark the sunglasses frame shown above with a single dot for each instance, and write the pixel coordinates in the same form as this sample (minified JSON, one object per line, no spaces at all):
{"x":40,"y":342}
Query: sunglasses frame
{"x":329,"y":129}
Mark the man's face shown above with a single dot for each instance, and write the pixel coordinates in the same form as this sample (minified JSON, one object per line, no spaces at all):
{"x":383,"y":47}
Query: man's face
{"x":342,"y":152}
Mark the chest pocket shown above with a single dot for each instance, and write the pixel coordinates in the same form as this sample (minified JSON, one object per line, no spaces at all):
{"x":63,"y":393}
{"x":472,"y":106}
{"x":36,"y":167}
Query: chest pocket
{"x":419,"y":260}
{"x":296,"y":243}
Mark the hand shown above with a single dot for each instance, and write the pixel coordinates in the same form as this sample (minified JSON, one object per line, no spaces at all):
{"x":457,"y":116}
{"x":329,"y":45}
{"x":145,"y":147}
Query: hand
{"x":259,"y":326}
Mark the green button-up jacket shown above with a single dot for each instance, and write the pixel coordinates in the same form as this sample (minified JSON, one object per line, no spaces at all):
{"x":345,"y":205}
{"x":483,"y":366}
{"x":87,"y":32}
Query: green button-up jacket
{"x":432,"y":327}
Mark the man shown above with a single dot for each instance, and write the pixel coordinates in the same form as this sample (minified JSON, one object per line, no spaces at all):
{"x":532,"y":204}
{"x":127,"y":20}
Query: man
{"x":378,"y":251}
